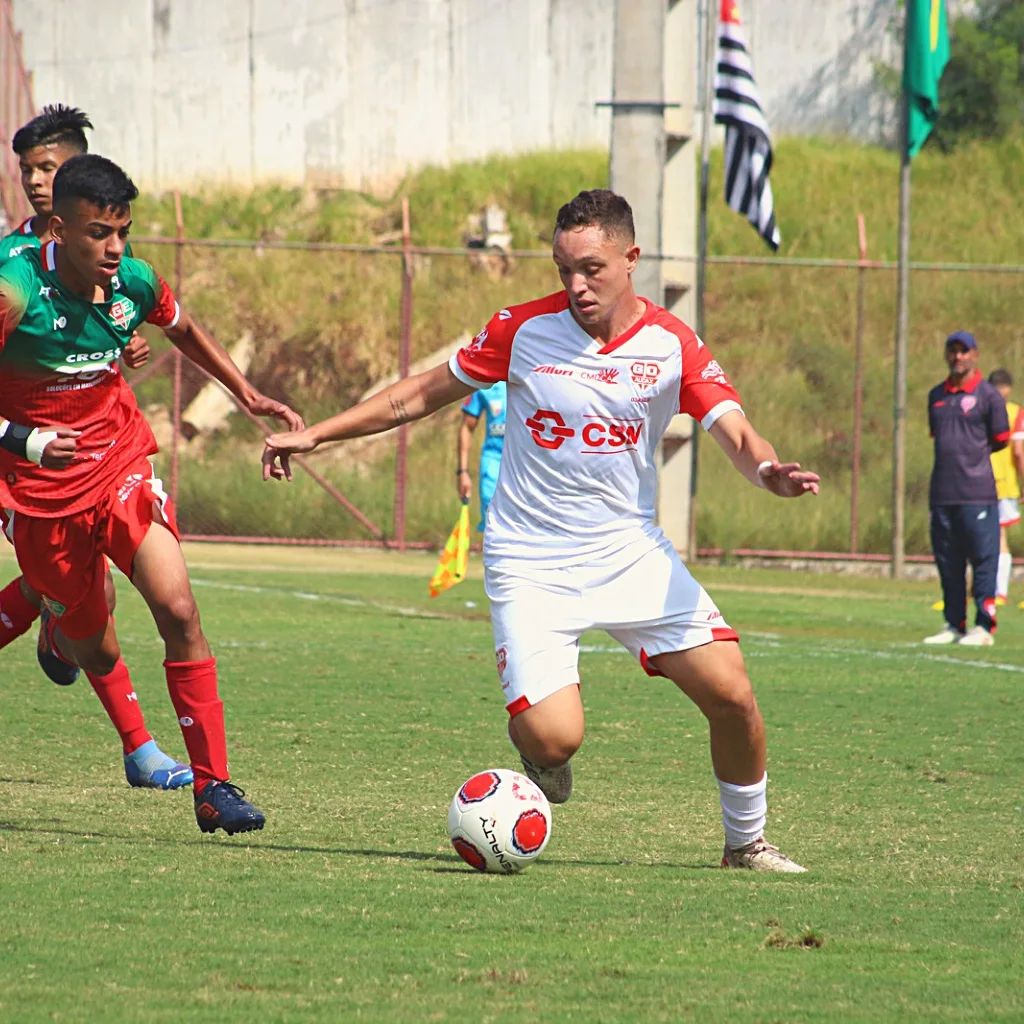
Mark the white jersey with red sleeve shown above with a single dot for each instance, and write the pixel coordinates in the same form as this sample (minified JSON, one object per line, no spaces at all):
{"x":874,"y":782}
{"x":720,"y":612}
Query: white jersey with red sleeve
{"x":578,"y":475}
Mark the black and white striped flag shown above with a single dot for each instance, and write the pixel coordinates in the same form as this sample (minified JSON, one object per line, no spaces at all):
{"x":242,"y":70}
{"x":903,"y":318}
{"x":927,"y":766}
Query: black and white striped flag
{"x":748,"y":148}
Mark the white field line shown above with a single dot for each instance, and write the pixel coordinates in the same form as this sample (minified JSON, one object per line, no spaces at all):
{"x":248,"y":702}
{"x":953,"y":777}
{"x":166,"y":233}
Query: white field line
{"x":305,"y":595}
{"x":761,"y":639}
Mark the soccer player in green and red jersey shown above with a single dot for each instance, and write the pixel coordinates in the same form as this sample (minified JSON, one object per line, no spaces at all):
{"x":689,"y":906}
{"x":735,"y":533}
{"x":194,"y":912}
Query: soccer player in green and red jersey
{"x":74,"y":448}
{"x":42,"y":145}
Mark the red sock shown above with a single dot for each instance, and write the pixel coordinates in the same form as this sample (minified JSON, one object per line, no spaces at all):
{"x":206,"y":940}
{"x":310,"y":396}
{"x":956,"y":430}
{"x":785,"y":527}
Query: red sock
{"x":193,"y":689}
{"x":16,"y":612}
{"x":119,"y":700}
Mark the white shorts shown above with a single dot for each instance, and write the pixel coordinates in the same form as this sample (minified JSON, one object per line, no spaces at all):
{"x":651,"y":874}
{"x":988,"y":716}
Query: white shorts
{"x":651,"y":605}
{"x":1009,"y":511}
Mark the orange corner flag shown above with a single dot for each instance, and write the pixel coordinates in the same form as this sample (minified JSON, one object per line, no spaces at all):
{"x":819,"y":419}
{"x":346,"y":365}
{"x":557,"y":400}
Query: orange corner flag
{"x":451,"y":569}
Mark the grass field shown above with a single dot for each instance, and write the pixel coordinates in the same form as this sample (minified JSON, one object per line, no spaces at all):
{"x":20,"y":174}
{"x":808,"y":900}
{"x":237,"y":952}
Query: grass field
{"x":356,"y":705}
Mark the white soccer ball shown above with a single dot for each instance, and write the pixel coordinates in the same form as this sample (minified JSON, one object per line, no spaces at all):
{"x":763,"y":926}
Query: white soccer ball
{"x":499,"y":821}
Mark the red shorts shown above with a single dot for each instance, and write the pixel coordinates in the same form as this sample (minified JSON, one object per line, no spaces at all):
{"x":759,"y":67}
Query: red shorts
{"x":63,"y":558}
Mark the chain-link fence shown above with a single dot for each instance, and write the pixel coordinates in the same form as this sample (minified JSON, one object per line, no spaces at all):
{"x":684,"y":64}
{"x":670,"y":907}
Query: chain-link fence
{"x":808,"y":343}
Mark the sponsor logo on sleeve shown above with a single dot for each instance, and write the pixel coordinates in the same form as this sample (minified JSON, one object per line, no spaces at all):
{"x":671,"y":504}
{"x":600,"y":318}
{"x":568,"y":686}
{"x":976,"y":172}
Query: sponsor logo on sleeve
{"x":714,"y":372}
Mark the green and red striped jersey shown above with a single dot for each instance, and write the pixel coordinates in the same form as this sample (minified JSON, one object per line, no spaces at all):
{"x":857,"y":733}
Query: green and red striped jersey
{"x":59,"y":367}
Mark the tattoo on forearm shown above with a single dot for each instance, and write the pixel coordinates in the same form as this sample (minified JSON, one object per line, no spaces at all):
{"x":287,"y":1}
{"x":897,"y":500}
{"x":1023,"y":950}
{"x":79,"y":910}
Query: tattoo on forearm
{"x":398,"y":410}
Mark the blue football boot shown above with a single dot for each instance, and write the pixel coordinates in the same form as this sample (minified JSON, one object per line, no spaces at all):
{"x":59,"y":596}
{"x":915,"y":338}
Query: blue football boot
{"x":56,"y":667}
{"x":148,"y":767}
{"x":223,"y":805}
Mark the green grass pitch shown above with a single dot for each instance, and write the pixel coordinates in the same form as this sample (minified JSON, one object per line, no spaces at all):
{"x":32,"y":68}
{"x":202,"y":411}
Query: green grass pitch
{"x":356,"y":705}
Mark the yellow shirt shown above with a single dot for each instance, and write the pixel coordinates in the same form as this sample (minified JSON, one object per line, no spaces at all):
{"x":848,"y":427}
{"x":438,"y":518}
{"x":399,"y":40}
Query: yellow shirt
{"x":1004,"y":469}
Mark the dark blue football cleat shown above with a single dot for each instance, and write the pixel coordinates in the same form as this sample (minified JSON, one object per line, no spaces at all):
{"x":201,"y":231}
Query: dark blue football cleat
{"x":149,"y":767}
{"x":223,"y":805}
{"x":56,"y":667}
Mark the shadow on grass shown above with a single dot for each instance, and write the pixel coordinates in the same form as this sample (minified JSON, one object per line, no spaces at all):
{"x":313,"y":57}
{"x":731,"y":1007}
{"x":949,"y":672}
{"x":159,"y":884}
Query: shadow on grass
{"x":448,"y":862}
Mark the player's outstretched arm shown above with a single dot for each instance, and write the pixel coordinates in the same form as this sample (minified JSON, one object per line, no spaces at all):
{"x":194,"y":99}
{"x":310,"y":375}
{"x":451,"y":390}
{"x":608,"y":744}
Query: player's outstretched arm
{"x":756,"y":459}
{"x":206,"y":352}
{"x":409,"y":399}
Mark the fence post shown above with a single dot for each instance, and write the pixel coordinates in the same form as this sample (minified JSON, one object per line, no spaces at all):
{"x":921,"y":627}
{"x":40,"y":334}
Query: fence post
{"x":858,"y":382}
{"x":179,"y":245}
{"x":402,"y":453}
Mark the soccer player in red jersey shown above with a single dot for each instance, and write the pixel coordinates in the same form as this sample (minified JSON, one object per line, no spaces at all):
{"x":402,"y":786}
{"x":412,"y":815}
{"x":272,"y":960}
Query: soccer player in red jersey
{"x":42,"y":145}
{"x":75,"y":476}
{"x":595,"y":374}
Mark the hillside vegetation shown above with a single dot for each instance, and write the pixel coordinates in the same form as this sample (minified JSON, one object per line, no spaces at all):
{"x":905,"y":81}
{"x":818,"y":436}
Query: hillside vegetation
{"x":327,"y":325}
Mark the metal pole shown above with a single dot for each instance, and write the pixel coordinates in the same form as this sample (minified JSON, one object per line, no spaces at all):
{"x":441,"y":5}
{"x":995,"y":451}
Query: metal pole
{"x":900,"y":361}
{"x":858,"y":384}
{"x":708,"y":57}
{"x":404,"y":342}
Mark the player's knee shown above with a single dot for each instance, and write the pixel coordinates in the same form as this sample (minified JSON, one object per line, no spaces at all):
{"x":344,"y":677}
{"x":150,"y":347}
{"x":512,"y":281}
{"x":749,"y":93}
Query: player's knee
{"x":98,"y":661}
{"x":733,"y":702}
{"x":178,"y":619}
{"x":550,"y":744}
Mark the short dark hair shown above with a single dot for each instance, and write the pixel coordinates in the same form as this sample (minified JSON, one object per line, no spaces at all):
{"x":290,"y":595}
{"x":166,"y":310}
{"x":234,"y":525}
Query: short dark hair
{"x":56,"y":123}
{"x":600,"y":207}
{"x":95,"y":179}
{"x":1001,"y":378}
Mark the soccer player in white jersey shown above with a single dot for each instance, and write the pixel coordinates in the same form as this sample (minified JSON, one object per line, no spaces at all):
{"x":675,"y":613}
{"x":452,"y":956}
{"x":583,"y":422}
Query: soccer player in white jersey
{"x":595,"y":373}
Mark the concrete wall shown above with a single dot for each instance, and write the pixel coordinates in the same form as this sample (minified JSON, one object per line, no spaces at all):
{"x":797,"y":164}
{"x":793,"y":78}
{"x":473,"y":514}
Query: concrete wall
{"x":354,"y":92}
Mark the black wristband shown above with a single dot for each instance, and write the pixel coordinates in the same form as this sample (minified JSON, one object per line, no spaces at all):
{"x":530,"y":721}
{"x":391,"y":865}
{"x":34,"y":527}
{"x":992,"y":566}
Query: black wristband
{"x":459,"y":472}
{"x":14,"y":438}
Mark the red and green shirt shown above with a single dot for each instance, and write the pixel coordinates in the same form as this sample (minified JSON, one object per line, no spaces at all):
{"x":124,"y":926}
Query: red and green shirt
{"x":59,"y":367}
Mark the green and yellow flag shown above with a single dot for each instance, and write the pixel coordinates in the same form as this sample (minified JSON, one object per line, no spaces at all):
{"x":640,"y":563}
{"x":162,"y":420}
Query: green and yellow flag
{"x":455,"y":557}
{"x":925,"y":53}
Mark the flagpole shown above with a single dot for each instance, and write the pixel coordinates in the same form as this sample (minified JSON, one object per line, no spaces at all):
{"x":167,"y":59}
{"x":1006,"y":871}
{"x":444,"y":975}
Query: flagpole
{"x":708,"y":53}
{"x":900,"y":360}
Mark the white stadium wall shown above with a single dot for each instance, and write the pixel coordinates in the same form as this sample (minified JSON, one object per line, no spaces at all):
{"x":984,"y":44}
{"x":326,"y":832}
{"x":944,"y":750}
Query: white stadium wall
{"x":355,"y":92}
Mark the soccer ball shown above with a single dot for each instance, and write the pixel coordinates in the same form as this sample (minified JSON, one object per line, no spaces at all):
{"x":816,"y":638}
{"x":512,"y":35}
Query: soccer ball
{"x":499,"y":821}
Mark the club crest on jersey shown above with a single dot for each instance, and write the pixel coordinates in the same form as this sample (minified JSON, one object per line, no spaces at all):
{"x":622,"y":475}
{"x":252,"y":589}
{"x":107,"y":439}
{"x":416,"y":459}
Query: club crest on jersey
{"x":122,"y":312}
{"x":714,"y":372}
{"x":967,"y":403}
{"x":644,"y":374}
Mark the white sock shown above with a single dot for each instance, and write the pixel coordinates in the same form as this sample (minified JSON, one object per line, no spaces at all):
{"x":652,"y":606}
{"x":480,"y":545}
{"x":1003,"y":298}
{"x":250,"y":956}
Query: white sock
{"x":744,"y":810}
{"x":1003,"y":574}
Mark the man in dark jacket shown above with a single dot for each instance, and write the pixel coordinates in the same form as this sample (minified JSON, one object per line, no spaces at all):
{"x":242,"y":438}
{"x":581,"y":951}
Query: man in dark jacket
{"x":968,"y":422}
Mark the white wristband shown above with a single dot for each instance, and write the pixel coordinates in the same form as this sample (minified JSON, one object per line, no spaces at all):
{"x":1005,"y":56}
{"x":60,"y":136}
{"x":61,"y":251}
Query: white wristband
{"x":762,"y":466}
{"x":36,"y":442}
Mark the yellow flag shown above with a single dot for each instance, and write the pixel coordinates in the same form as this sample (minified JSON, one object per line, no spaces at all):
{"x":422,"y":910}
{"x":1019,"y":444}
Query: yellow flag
{"x":452,"y":567}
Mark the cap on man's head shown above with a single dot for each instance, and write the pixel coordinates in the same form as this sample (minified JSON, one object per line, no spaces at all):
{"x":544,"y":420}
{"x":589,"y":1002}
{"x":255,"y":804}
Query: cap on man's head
{"x":964,"y":338}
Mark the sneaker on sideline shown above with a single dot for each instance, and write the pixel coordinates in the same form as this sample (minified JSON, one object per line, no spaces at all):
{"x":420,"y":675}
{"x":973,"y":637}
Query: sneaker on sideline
{"x":946,"y":635}
{"x":760,"y":855}
{"x":979,"y":636}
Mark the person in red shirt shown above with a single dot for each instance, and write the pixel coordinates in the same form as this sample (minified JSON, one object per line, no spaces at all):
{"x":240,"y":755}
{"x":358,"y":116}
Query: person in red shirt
{"x":42,"y":145}
{"x":75,"y":477}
